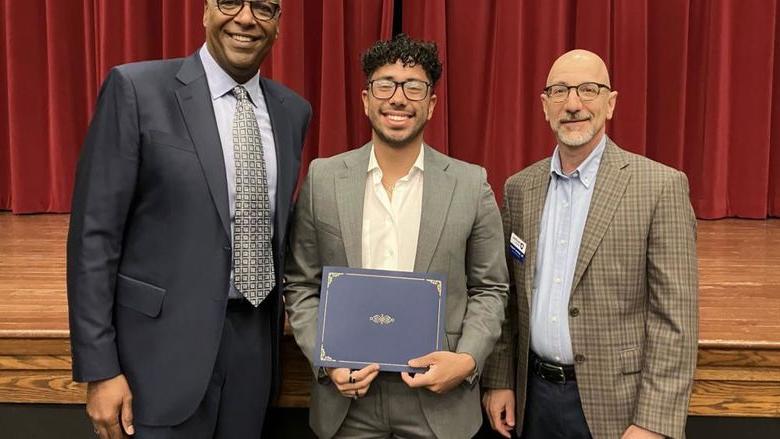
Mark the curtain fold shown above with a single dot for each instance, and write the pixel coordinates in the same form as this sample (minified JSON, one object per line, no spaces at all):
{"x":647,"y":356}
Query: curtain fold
{"x":55,"y":55}
{"x":695,"y":81}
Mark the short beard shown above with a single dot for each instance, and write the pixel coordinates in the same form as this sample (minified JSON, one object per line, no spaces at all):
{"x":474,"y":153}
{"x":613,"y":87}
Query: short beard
{"x":575,"y":139}
{"x":399,"y":143}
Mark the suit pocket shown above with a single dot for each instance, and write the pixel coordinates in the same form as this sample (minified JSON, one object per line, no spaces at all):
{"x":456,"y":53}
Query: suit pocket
{"x":138,"y":295}
{"x":329,"y":229}
{"x":630,"y":361}
{"x":165,"y":139}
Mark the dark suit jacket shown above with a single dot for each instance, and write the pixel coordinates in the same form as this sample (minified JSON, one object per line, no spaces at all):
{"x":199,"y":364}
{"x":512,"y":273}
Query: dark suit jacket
{"x":149,"y":250}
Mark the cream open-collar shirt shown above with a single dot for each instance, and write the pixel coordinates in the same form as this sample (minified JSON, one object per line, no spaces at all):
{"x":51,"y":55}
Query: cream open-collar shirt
{"x":391,"y":225}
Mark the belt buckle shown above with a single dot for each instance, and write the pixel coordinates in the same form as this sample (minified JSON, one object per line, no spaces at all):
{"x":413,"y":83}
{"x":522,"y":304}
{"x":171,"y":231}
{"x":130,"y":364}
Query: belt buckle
{"x":551,"y":372}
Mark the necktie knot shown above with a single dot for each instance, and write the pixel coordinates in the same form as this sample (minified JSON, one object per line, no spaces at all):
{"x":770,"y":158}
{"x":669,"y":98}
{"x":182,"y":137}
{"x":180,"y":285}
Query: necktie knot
{"x":240,"y":93}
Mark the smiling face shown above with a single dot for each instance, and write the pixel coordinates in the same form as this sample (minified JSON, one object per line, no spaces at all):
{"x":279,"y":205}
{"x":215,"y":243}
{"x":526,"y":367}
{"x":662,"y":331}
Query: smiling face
{"x":576,"y":123}
{"x":239,"y":44}
{"x":398,"y":122}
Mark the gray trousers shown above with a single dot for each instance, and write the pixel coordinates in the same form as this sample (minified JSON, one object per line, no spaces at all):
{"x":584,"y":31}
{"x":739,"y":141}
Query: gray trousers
{"x":390,"y":409}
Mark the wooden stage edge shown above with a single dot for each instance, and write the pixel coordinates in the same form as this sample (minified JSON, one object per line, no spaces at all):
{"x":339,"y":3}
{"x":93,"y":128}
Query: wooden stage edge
{"x":738,"y":371}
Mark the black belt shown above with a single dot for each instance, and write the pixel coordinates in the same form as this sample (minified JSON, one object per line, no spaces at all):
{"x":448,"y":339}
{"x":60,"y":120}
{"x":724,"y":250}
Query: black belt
{"x":552,"y":372}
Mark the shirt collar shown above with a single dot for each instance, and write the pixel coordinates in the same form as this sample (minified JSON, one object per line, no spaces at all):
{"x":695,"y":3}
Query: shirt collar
{"x":220,"y":83}
{"x":586,"y":171}
{"x":419,"y":163}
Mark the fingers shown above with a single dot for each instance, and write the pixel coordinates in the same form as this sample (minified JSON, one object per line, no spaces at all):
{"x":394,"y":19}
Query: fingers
{"x":354,"y":384}
{"x":127,"y":415}
{"x":371,"y":369}
{"x":419,"y":379}
{"x":510,"y":412}
{"x":425,"y":360}
{"x":500,"y":408}
{"x":495,"y":415}
{"x":115,"y":430}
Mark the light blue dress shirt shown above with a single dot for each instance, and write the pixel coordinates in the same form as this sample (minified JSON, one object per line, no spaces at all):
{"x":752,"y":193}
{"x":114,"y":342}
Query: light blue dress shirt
{"x":220,"y":87}
{"x":560,"y":233}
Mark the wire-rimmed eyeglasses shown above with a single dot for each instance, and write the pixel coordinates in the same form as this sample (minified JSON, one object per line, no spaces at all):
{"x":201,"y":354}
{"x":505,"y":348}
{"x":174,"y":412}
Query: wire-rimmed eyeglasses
{"x":587,"y":91}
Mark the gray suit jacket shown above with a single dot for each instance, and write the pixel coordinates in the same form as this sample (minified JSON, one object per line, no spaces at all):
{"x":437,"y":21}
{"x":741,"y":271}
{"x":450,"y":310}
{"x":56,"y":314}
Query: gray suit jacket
{"x":460,"y":236}
{"x":633,"y":308}
{"x":149,"y":251}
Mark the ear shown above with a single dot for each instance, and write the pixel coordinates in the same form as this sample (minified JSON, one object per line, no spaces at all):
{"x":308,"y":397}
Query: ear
{"x":612,"y":100}
{"x":205,"y":12}
{"x":431,"y":106}
{"x":544,"y":98}
{"x":364,"y":96}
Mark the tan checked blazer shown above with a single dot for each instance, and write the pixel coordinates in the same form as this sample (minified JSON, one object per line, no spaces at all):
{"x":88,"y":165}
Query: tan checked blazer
{"x":633,"y":312}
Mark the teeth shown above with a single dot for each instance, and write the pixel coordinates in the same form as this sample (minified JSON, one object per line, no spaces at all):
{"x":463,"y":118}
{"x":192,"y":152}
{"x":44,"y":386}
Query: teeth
{"x":241,"y":38}
{"x":396,"y":118}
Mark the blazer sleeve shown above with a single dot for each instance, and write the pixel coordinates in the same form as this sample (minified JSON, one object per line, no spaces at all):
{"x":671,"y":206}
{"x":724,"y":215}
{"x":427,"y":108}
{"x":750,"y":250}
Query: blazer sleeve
{"x":303,"y":272}
{"x":672,"y":320}
{"x":487,"y":280}
{"x":501,"y":366}
{"x":105,"y":181}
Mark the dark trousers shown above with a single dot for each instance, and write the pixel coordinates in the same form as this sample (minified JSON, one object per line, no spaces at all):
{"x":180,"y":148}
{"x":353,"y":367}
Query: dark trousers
{"x":553,"y":411}
{"x":237,"y":396}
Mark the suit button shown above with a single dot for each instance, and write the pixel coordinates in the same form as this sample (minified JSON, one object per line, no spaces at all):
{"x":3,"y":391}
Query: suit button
{"x":574,"y":312}
{"x":226,"y":248}
{"x":579,"y":358}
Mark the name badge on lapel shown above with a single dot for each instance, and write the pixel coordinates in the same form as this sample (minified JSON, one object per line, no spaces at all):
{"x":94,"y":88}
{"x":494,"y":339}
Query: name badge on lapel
{"x":517,"y":248}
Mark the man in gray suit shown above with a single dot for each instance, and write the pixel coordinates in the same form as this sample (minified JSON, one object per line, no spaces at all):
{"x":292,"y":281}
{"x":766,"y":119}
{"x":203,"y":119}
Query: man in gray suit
{"x":182,"y":197}
{"x":398,"y":204}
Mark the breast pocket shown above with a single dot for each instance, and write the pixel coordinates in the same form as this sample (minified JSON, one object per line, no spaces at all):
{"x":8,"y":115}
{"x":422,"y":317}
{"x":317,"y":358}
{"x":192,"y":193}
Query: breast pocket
{"x":160,"y":138}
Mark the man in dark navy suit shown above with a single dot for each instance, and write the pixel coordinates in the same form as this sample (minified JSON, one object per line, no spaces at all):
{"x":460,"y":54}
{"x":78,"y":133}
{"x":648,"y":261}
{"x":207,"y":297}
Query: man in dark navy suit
{"x":179,"y":219}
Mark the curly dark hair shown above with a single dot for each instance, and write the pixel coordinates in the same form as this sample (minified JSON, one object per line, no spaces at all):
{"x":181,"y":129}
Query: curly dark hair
{"x":409,"y":51}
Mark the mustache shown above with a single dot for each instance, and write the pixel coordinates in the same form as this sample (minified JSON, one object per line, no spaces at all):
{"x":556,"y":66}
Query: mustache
{"x":575,"y":117}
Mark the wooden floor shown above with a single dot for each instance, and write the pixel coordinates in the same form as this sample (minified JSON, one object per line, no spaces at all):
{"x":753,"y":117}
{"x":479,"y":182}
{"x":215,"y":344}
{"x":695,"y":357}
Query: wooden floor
{"x":738,"y":370}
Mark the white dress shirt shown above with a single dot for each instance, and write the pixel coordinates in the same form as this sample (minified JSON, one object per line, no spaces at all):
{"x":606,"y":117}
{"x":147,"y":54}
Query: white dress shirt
{"x":391,"y":225}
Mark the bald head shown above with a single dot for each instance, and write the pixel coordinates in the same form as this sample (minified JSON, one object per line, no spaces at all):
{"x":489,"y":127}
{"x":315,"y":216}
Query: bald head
{"x":583,"y":101}
{"x":576,"y":64}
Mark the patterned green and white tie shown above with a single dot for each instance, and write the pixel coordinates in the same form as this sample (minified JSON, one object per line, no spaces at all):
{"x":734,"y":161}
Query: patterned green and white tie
{"x":253,"y":262}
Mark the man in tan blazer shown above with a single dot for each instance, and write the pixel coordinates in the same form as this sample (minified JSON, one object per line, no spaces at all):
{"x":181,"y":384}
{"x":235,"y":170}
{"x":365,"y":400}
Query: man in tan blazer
{"x":601,"y":334}
{"x":398,"y":204}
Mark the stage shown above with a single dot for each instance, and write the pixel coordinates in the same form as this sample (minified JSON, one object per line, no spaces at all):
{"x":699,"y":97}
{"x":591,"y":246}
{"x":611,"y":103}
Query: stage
{"x":738,"y":371}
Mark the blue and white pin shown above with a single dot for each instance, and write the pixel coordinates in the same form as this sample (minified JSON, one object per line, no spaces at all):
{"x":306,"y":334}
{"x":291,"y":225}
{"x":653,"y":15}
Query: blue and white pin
{"x":517,"y":248}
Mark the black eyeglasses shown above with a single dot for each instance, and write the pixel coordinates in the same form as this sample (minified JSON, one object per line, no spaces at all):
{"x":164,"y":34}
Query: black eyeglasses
{"x":587,"y":91}
{"x":261,"y":9}
{"x":413,"y":89}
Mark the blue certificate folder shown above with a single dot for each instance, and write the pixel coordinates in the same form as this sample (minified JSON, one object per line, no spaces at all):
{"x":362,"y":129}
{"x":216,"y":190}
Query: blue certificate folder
{"x":378,"y":316}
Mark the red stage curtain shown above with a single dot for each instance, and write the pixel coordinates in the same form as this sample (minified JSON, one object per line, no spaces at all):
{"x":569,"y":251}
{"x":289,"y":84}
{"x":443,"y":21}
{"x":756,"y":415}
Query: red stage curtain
{"x":55,"y":54}
{"x":695,"y":79}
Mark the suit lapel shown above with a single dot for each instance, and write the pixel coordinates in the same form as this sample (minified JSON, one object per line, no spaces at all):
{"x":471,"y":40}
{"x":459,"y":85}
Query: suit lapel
{"x":438,"y":188}
{"x":611,"y":182}
{"x":195,"y":103}
{"x":533,"y":207}
{"x":350,"y":190}
{"x":285,"y":161}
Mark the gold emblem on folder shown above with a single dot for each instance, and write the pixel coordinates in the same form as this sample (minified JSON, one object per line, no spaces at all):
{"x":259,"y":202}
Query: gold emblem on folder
{"x":382,"y":319}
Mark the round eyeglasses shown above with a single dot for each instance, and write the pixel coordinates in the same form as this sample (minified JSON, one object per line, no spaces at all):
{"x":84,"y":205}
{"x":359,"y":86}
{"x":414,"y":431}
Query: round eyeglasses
{"x":413,"y":89}
{"x":261,"y":9}
{"x":587,"y":91}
